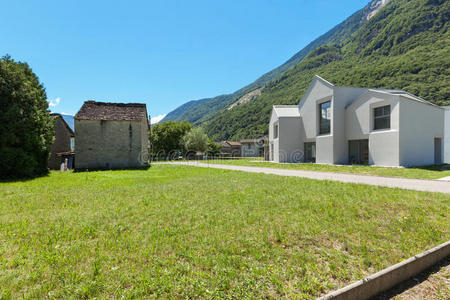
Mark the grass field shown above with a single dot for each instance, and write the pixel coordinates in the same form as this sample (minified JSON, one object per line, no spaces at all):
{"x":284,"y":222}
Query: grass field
{"x":178,"y":231}
{"x":427,"y":172}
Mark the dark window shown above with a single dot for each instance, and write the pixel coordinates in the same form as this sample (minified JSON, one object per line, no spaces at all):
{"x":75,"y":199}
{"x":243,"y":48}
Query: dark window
{"x":275,"y":131}
{"x":358,"y":152}
{"x":324,"y":117}
{"x":310,"y":152}
{"x":382,"y":117}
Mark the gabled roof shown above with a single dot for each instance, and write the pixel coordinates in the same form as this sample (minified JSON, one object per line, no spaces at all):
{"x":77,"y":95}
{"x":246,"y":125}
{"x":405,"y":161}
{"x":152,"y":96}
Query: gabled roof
{"x":56,"y":115}
{"x":323,"y":80}
{"x":286,"y":110}
{"x":387,"y":91}
{"x":107,"y":111}
{"x":229,"y":143}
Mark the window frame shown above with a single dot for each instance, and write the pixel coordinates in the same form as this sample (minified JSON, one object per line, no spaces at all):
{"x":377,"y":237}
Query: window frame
{"x":328,"y":131}
{"x":275,"y":130}
{"x":383,"y":117}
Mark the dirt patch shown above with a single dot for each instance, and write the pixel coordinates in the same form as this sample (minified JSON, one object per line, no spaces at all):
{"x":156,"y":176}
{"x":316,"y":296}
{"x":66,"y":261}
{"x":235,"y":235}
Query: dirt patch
{"x":433,"y":283}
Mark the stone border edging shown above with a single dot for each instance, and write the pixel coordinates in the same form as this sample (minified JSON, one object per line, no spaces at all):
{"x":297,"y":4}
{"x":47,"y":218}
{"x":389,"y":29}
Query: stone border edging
{"x":391,"y":276}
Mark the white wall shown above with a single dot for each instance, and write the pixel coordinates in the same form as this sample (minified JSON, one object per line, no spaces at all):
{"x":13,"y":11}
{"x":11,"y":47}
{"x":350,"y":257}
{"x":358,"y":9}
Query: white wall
{"x":316,"y":93}
{"x":290,"y":140}
{"x":447,"y":135}
{"x":274,"y":151}
{"x":383,"y":144}
{"x":343,"y":96}
{"x":419,"y":124}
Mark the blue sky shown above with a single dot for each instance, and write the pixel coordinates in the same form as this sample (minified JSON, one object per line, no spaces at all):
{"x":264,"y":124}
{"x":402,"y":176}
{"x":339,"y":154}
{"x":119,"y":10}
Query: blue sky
{"x":162,"y":53}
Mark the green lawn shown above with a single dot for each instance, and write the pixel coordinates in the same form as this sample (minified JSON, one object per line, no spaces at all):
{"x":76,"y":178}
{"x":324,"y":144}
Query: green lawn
{"x":186,"y":232}
{"x":427,"y":172}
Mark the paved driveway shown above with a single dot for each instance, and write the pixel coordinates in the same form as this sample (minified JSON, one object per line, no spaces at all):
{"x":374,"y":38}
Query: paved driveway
{"x":392,"y":182}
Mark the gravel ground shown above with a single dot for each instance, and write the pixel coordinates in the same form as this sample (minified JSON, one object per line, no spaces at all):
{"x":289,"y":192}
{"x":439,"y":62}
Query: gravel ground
{"x":434,"y":283}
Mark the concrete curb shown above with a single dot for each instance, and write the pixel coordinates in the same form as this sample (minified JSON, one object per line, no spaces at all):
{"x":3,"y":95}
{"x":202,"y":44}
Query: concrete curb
{"x":391,"y":276}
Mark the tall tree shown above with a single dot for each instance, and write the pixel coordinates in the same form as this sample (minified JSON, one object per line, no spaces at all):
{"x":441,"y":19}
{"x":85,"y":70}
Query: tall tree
{"x":166,"y":137}
{"x":26,"y":127}
{"x":196,"y":140}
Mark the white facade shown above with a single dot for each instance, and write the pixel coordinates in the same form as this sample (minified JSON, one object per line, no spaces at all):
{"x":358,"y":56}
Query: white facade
{"x":345,"y":125}
{"x":447,"y":135}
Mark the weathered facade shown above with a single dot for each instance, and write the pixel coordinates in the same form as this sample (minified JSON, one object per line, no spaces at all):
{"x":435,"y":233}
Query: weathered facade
{"x":111,"y":136}
{"x":350,"y":125}
{"x":230,"y":148}
{"x":253,"y":147}
{"x":63,"y":144}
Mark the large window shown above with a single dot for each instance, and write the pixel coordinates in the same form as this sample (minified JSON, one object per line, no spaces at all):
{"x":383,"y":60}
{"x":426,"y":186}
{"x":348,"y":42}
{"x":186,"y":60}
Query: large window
{"x":382,"y":117}
{"x":324,"y":117}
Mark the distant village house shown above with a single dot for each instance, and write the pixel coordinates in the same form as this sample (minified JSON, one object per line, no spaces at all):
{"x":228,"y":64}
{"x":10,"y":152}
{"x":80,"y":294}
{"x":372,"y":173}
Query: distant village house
{"x":253,"y":147}
{"x":61,"y":152}
{"x":230,"y":149}
{"x":111,"y":135}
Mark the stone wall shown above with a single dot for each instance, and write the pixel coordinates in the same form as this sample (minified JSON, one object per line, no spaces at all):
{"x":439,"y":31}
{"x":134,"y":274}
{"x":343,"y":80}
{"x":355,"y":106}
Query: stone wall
{"x":110,"y":144}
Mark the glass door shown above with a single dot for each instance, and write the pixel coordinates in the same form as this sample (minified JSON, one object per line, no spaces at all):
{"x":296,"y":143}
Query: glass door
{"x":358,"y":152}
{"x":310,"y":152}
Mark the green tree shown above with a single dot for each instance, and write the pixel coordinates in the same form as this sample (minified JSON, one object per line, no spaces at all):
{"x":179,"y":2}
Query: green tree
{"x":26,"y":127}
{"x":166,"y":137}
{"x":196,"y":140}
{"x":213,"y":148}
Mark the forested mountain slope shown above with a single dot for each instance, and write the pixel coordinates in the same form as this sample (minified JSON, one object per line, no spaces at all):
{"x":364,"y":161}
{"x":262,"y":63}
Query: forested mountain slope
{"x":406,"y":45}
{"x":198,"y":111}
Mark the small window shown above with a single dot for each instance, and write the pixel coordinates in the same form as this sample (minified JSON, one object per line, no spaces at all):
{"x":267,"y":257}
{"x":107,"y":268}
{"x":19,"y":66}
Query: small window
{"x":249,"y":146}
{"x":324,"y":117}
{"x":382,"y":117}
{"x":72,"y":144}
{"x":275,"y":131}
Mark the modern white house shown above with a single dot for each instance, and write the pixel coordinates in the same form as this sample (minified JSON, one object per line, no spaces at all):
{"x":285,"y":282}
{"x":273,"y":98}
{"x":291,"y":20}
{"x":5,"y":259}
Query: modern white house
{"x":350,"y":125}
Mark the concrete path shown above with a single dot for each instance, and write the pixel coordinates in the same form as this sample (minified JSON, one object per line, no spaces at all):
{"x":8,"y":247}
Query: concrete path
{"x":445,"y":178}
{"x":392,"y":182}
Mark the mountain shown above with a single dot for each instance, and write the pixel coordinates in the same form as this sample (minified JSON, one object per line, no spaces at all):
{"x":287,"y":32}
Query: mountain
{"x":199,"y":111}
{"x":405,"y":45}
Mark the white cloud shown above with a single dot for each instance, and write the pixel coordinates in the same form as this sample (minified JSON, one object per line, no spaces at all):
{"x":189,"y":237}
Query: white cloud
{"x":156,"y":119}
{"x":55,"y":102}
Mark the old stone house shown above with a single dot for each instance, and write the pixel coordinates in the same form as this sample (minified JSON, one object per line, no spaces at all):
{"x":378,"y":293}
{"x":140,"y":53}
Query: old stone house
{"x":63,"y":144}
{"x":230,"y":148}
{"x":111,"y":135}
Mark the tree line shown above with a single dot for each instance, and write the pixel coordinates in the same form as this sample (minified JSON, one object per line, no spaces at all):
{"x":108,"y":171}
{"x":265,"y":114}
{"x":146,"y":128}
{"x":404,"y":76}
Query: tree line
{"x":172,"y":139}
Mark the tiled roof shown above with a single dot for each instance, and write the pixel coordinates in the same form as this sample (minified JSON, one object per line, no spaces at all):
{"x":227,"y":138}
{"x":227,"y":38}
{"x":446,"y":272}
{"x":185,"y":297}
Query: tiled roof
{"x":92,"y":110}
{"x":228,"y":143}
{"x":234,"y":143}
